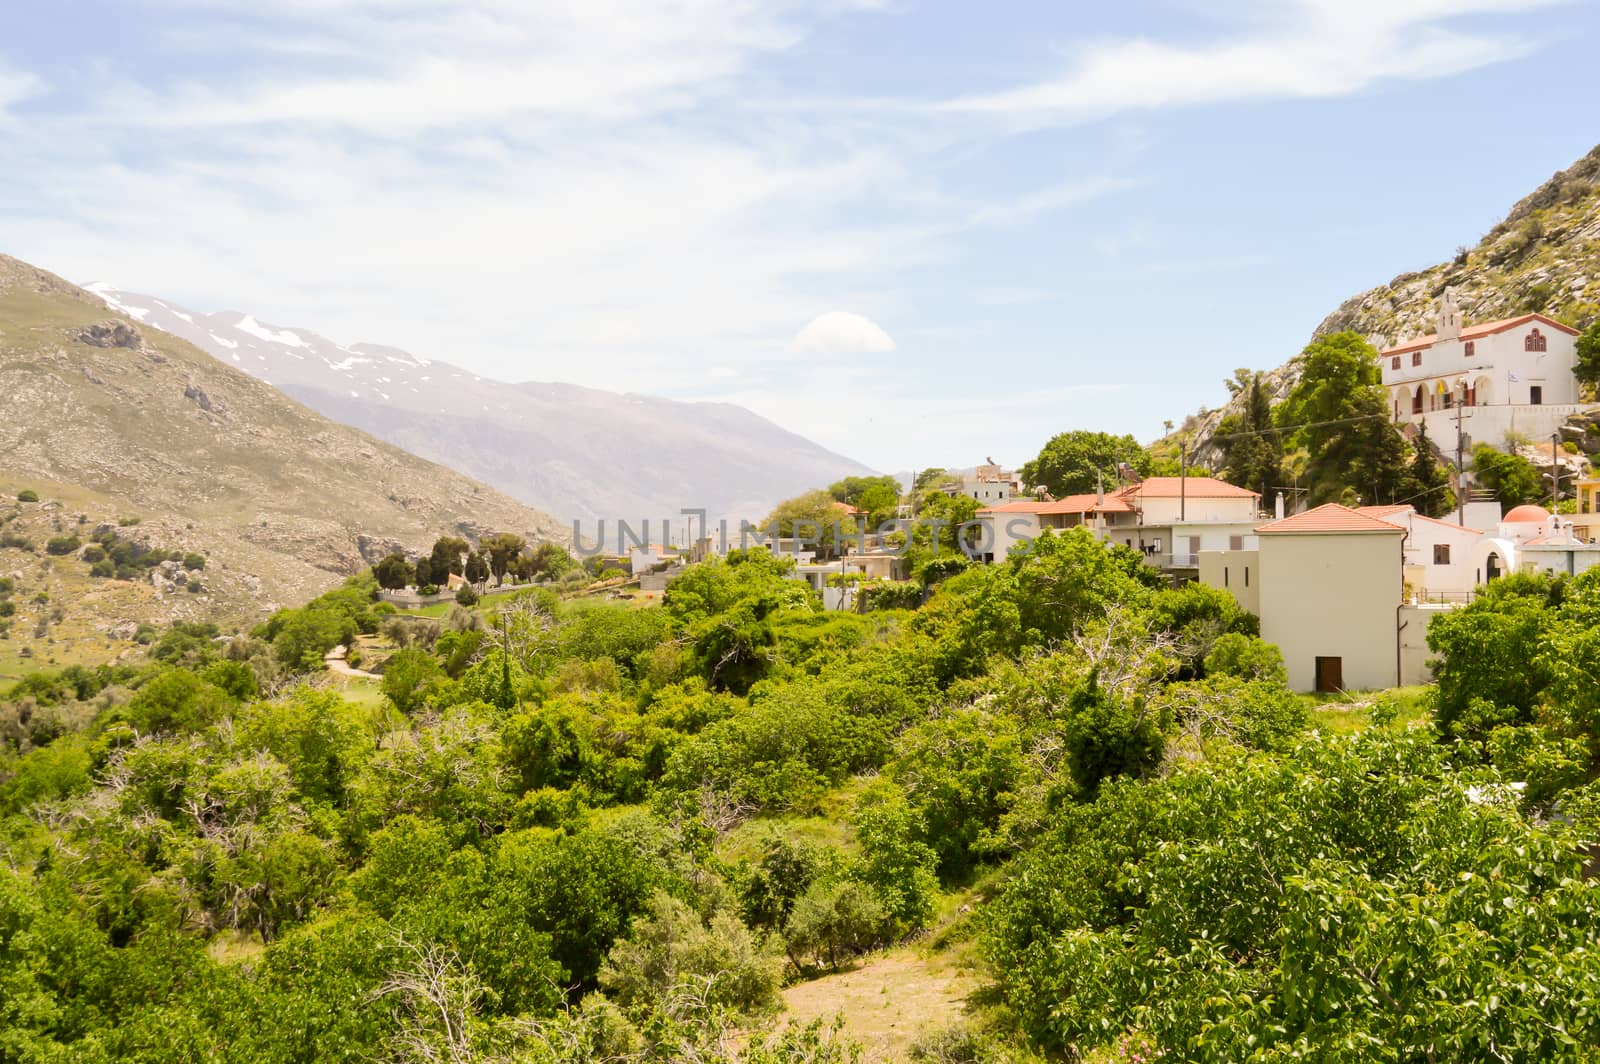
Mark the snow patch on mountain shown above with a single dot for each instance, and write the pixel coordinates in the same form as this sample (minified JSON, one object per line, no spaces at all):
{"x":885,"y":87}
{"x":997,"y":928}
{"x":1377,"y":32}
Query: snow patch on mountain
{"x":248,"y":324}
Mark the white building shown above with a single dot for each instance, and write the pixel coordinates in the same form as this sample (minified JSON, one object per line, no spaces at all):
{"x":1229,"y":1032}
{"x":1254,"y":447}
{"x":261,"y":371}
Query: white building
{"x":1169,"y":520}
{"x":1514,"y":375}
{"x":1444,"y":561}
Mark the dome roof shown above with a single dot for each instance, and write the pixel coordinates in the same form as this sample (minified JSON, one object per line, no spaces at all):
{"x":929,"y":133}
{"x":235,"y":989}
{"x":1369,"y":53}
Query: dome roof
{"x":1527,"y":514}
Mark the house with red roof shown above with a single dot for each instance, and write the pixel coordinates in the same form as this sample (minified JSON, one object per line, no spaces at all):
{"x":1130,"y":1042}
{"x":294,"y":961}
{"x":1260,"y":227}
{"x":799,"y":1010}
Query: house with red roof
{"x":1511,"y":375}
{"x":1169,"y":520}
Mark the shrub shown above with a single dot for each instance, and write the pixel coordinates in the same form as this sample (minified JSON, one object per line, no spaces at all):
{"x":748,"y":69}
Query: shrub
{"x":465,"y":596}
{"x":105,"y":568}
{"x":834,"y":921}
{"x":427,"y":590}
{"x":15,"y":540}
{"x":62,"y":545}
{"x":127,"y":522}
{"x":7,"y":608}
{"x":669,"y":947}
{"x":905,"y":595}
{"x":27,"y":495}
{"x":194,"y":562}
{"x":93,"y":553}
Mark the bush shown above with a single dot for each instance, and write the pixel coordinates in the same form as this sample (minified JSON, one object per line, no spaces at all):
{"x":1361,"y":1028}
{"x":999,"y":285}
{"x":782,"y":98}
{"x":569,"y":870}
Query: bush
{"x":833,"y":922}
{"x":62,"y":545}
{"x":669,"y":949}
{"x":906,"y":595}
{"x":127,"y":522}
{"x":427,"y":590}
{"x":16,"y":541}
{"x":27,"y":495}
{"x":8,"y":608}
{"x":194,"y":562}
{"x":465,"y":596}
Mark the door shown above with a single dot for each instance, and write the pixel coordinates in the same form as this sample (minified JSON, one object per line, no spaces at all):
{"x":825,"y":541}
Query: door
{"x":1535,"y":395}
{"x":1330,"y":675}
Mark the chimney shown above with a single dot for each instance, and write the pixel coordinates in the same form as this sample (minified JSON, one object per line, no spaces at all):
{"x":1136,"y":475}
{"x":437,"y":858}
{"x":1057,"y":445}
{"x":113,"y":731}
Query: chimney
{"x":1277,"y":507}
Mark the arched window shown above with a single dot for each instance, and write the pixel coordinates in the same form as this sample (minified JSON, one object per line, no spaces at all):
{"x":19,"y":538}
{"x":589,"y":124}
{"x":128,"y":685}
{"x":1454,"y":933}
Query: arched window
{"x":1534,"y":341}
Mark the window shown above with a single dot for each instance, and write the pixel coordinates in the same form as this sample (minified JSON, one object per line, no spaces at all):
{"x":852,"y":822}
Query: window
{"x":1394,"y":363}
{"x":1441,"y":554}
{"x":1536,"y":395}
{"x":1236,"y":543}
{"x":1416,"y":358}
{"x":1534,"y":341}
{"x":1469,"y":349}
{"x":1247,"y":576}
{"x":1225,"y":571}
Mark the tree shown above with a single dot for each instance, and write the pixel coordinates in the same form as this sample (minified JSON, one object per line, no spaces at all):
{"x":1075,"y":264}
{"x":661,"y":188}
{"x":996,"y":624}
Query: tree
{"x":476,"y":570}
{"x":669,"y":947}
{"x":501,"y":549}
{"x":877,"y":496}
{"x":932,"y":477}
{"x":1073,"y":463}
{"x":407,"y":676}
{"x":1252,"y":446}
{"x":394,"y":572}
{"x":446,"y":557}
{"x":1511,"y":477}
{"x":813,"y":518}
{"x":1434,"y":496}
{"x":1338,"y":413}
{"x":1588,"y":346}
{"x":422,"y":573}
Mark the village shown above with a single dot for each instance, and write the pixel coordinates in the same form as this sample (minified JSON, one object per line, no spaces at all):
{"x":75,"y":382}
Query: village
{"x":1347,"y":593}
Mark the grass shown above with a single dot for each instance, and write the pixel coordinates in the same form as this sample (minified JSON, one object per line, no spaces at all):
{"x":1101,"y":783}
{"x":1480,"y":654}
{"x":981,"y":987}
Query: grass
{"x":890,"y":999}
{"x":1349,"y":712}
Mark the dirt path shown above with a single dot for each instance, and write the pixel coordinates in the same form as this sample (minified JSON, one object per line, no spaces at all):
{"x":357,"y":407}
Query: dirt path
{"x":340,"y":667}
{"x":888,"y":1001}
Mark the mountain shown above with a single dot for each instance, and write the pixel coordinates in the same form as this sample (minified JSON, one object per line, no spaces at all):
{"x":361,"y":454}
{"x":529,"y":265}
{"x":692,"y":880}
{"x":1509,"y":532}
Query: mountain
{"x":1543,"y":256}
{"x":578,"y":453}
{"x":111,"y":423}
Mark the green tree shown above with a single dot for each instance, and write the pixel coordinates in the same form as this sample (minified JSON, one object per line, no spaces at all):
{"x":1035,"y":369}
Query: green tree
{"x":501,"y":549}
{"x":394,"y":572}
{"x":1433,"y":495}
{"x":476,"y":570}
{"x":1338,"y":413}
{"x":1511,"y":477}
{"x":1252,"y":445}
{"x":1588,"y":346}
{"x":878,"y":497}
{"x":1073,"y":463}
{"x":896,"y":863}
{"x":446,"y":557}
{"x":407,"y":677}
{"x":669,"y":947}
{"x":813,"y":518}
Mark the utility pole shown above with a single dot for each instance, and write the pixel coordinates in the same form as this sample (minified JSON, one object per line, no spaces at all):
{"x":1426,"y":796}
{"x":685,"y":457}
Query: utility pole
{"x":1183,"y":482}
{"x":1555,"y":473}
{"x":1461,"y":468}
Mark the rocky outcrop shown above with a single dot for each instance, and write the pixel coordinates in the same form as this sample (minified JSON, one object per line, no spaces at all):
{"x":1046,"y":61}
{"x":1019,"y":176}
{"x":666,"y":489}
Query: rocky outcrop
{"x":1544,"y":256}
{"x":112,"y":334}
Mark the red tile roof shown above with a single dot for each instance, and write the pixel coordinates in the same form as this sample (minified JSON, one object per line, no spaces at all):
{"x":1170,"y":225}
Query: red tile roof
{"x":1072,"y":504}
{"x":1488,"y":328}
{"x":1193,"y":487}
{"x":1329,"y":517}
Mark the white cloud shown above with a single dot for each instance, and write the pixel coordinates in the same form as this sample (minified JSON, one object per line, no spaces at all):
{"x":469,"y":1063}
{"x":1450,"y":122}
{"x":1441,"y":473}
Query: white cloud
{"x":15,"y":86}
{"x":1298,"y":48}
{"x":839,"y":332}
{"x":1053,"y":198}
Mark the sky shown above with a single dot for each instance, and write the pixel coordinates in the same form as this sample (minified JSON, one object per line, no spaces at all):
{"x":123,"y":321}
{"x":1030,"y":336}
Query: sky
{"x":920,"y":233}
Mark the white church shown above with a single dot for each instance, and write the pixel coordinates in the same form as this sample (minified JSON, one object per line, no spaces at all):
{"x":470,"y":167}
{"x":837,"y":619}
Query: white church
{"x":1514,"y":375}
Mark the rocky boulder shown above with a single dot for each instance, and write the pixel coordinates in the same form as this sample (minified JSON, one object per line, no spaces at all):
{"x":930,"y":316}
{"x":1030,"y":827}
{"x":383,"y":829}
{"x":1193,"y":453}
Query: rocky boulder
{"x":112,"y":333}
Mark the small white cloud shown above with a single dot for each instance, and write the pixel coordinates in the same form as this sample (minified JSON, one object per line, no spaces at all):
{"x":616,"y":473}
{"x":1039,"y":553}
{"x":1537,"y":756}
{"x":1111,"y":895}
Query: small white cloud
{"x":840,"y":332}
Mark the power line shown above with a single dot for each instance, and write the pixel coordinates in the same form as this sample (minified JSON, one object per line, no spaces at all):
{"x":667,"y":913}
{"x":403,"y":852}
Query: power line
{"x":1279,"y":429}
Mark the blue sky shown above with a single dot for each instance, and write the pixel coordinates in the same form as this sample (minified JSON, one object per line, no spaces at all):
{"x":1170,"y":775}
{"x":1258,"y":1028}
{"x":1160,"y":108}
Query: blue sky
{"x":920,"y":233}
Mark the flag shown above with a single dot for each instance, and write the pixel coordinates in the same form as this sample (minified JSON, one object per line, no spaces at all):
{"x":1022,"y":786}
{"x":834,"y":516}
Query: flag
{"x":1511,"y":377}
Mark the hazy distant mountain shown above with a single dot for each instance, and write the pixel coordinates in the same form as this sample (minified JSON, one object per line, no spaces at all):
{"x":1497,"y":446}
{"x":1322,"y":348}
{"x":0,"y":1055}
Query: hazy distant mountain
{"x":573,"y":452}
{"x":110,"y":420}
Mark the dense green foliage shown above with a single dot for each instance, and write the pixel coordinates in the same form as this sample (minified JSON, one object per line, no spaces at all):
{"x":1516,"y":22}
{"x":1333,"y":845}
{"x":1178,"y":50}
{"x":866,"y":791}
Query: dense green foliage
{"x":1252,"y":446}
{"x":566,"y":830}
{"x":1339,"y":414}
{"x":1072,"y":463}
{"x":1512,"y":478}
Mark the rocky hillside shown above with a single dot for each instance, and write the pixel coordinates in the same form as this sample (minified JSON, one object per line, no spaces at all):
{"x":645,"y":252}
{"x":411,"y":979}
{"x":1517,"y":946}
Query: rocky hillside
{"x":1544,"y":256}
{"x":573,"y":452}
{"x":109,"y":422}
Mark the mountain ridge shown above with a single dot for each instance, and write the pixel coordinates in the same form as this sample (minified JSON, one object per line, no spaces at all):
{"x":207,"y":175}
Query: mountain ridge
{"x":579,"y":452}
{"x":1543,"y":256}
{"x":129,"y":427}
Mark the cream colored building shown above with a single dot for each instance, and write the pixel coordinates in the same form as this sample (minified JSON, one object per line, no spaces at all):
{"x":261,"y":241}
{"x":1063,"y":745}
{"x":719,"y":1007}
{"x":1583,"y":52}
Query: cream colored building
{"x":1327,"y":586}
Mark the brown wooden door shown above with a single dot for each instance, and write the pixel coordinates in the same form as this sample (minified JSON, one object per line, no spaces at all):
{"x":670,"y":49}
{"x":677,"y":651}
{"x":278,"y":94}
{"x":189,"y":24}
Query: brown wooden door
{"x":1330,"y":675}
